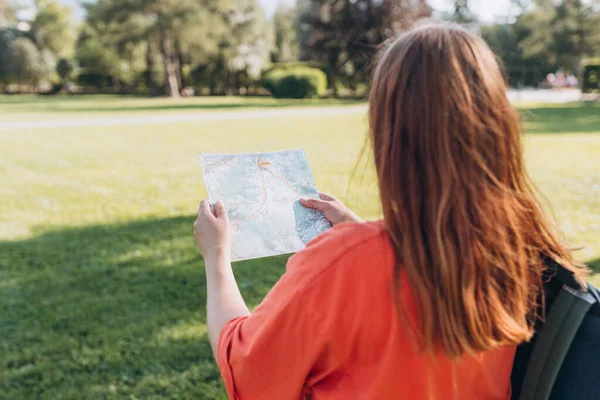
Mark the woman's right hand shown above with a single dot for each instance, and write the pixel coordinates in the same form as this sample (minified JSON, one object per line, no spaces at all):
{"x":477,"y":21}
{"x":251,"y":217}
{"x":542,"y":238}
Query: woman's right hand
{"x":333,"y":209}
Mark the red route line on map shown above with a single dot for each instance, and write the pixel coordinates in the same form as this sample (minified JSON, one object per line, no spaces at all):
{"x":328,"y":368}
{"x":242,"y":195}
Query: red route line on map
{"x":218,"y":163}
{"x":221,"y":162}
{"x":263,"y":167}
{"x":284,"y":181}
{"x":264,"y":191}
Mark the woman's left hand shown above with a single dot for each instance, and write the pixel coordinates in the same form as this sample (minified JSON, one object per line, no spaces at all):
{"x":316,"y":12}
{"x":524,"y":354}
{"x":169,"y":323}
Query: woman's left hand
{"x":224,"y":301}
{"x":213,"y":233}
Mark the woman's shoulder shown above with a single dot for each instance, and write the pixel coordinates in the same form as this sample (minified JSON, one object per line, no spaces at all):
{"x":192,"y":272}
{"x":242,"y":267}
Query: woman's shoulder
{"x":341,"y":245}
{"x":347,"y":235}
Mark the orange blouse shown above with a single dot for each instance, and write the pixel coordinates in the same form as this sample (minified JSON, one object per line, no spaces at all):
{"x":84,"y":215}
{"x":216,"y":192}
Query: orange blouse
{"x":329,"y":330}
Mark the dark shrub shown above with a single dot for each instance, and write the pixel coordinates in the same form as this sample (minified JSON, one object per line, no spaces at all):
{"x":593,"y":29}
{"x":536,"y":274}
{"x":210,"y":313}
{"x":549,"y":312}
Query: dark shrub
{"x":296,"y":82}
{"x":94,"y":79}
{"x":591,"y":78}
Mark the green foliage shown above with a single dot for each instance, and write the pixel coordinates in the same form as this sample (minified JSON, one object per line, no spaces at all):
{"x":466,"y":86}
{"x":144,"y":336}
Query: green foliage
{"x":187,"y":35}
{"x":29,"y":58}
{"x":462,"y":13}
{"x":104,"y":65}
{"x":296,"y":82}
{"x":346,"y":34}
{"x":561,"y":34}
{"x":591,"y":77}
{"x":546,"y":37}
{"x":576,"y":32}
{"x":28,"y":65}
{"x":524,"y":65}
{"x":53,"y":28}
{"x":47,"y":65}
{"x":64,"y":68}
{"x":243,"y":51}
{"x":6,"y":39}
{"x":286,"y":47}
{"x":98,"y":62}
{"x":94,"y":79}
{"x":156,"y":26}
{"x":7,"y":12}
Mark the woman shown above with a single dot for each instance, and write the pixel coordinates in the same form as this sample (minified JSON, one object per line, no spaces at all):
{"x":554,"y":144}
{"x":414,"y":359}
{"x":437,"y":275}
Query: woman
{"x":428,"y":303}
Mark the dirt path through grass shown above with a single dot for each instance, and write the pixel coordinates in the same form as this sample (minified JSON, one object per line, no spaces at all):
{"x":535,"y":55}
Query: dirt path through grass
{"x":112,"y":120}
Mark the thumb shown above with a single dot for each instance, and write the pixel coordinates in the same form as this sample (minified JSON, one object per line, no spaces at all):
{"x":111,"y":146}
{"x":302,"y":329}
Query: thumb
{"x":220,"y":211}
{"x":315,"y":204}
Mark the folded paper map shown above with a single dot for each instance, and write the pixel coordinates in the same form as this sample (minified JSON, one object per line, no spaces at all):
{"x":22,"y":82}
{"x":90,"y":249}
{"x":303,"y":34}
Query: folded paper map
{"x":261,"y":193}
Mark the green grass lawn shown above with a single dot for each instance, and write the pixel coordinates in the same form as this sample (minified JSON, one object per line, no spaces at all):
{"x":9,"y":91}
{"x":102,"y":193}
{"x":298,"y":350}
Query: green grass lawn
{"x":102,"y":291}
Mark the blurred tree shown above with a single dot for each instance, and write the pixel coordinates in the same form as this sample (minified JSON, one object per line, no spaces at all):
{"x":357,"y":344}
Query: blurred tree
{"x":245,"y":50}
{"x":186,"y":34}
{"x":421,"y":10}
{"x":198,"y":41}
{"x":29,"y":66}
{"x":53,"y":29}
{"x":104,"y":64}
{"x":47,"y":65}
{"x":346,"y":34}
{"x":158,"y":23}
{"x":97,"y":60}
{"x":64,"y":69}
{"x":462,"y":13}
{"x":6,"y":41}
{"x":562,"y":33}
{"x":286,"y":48}
{"x":7,"y":13}
{"x":505,"y":39}
{"x":576,"y":33}
{"x":545,"y":37}
{"x":8,"y":33}
{"x":242,"y":49}
{"x":528,"y":68}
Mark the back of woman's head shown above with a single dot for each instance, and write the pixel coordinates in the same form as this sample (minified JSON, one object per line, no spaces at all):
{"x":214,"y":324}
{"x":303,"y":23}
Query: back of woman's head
{"x":458,"y":206}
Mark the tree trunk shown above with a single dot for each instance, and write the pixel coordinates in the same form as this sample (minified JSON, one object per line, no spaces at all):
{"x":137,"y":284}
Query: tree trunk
{"x":149,"y":75}
{"x":179,"y":62}
{"x":115,"y":85}
{"x":233,"y":82}
{"x":334,"y":85}
{"x":169,"y":67}
{"x":177,"y":71}
{"x":582,"y":39}
{"x":334,"y":70}
{"x":229,"y":83}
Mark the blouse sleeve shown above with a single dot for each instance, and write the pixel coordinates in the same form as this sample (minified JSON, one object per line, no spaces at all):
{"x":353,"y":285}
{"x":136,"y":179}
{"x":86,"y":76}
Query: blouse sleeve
{"x":270,"y":354}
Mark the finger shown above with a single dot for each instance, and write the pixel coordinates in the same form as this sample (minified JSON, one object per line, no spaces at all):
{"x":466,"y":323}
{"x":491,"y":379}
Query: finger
{"x":205,"y":207}
{"x":326,"y":196}
{"x":220,"y":211}
{"x":314,"y":204}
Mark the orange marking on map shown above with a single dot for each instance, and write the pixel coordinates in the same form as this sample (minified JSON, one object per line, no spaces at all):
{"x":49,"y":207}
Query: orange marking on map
{"x":284,"y":181}
{"x":221,"y":162}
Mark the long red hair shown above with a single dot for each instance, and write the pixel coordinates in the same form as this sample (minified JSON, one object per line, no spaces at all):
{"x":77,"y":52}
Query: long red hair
{"x":458,"y":205}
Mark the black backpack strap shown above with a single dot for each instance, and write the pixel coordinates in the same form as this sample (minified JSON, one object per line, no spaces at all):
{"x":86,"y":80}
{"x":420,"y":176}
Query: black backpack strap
{"x":553,"y":342}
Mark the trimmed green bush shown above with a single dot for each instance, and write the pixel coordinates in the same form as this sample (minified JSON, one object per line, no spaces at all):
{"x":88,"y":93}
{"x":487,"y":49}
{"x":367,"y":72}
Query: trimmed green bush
{"x":296,"y":82}
{"x":591,"y":78}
